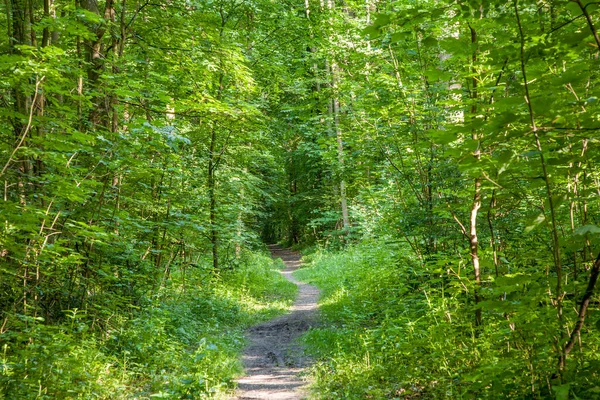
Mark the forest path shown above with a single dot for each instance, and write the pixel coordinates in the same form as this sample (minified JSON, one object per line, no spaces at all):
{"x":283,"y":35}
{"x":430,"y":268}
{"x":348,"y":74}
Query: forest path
{"x":273,"y":359}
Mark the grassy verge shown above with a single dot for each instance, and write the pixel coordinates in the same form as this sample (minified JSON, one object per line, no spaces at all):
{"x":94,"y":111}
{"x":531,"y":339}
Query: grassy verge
{"x":181,"y":344}
{"x":358,"y":288}
{"x":397,"y":329}
{"x":386,"y":333}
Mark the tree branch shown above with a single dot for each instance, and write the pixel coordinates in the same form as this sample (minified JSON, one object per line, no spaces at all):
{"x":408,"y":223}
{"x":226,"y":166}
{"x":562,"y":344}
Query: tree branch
{"x":585,"y":302}
{"x":27,"y":128}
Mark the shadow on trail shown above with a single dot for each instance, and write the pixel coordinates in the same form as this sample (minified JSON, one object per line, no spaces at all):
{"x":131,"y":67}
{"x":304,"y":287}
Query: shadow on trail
{"x":273,"y":359}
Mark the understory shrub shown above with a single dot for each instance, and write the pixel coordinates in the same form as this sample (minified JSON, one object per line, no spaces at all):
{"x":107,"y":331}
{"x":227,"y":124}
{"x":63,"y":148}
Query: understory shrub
{"x":184,"y":342}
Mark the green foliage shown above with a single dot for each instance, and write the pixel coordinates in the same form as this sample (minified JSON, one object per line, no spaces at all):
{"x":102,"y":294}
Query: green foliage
{"x":140,"y":143}
{"x":395,"y":329}
{"x":108,"y":215}
{"x":469,"y":154}
{"x":183,"y":343}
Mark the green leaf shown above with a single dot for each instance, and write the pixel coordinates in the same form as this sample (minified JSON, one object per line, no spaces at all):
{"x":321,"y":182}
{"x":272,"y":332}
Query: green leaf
{"x":442,"y":137}
{"x":400,"y":36}
{"x":573,"y":8}
{"x":372,"y":32}
{"x":381,"y":20}
{"x":160,"y":395}
{"x":561,"y":391}
{"x":535,"y":222}
{"x":430,"y":41}
{"x":587,"y":229}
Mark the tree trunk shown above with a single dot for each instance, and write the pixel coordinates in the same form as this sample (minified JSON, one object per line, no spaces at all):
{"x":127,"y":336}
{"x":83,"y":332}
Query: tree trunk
{"x":335,"y":111}
{"x":585,"y":302}
{"x":476,"y":205}
{"x":99,"y":114}
{"x":212,"y":163}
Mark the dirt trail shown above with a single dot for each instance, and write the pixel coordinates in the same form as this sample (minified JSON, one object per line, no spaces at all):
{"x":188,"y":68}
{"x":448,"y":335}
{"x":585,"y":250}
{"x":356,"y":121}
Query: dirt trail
{"x":273,"y":360}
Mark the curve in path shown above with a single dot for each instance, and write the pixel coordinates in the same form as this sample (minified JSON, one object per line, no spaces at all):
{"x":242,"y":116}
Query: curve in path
{"x":273,"y":359}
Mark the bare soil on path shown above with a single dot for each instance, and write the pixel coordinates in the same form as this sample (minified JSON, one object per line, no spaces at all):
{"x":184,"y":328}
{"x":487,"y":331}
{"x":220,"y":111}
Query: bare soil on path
{"x":274,"y":359}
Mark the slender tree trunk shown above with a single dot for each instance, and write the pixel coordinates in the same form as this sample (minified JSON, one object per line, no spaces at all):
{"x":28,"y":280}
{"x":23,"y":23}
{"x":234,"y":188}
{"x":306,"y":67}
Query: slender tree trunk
{"x":334,"y":111}
{"x":99,"y":114}
{"x":212,"y":161}
{"x":476,"y":205}
{"x":46,"y":32}
{"x":474,"y":246}
{"x":555,"y":241}
{"x":340,"y":146}
{"x":293,"y":233}
{"x":9,"y":36}
{"x":18,"y":37}
{"x":596,"y":267}
{"x":585,"y":303}
{"x":493,"y":245}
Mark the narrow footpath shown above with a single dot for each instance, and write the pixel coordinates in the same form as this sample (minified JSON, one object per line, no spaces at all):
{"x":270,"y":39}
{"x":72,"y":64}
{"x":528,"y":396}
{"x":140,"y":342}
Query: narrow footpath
{"x":274,"y":360}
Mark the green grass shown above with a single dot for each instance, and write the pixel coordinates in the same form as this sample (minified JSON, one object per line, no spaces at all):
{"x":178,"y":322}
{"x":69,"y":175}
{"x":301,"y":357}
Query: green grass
{"x":387,"y":332}
{"x":181,"y":345}
{"x":397,"y":329}
{"x":357,"y":288}
{"x":382,"y":336}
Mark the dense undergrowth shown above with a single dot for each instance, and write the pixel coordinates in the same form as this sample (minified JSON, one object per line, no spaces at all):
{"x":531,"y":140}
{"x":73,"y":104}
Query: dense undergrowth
{"x":182,"y":344}
{"x":396,"y":329}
